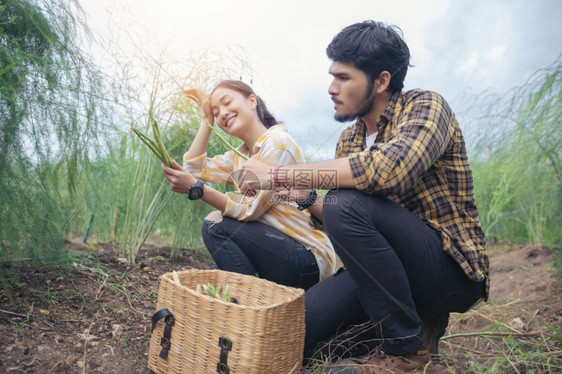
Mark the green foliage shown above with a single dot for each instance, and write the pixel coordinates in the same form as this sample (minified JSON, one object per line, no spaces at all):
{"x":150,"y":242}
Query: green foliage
{"x":149,"y":205}
{"x":516,"y":163}
{"x":48,"y":121}
{"x":557,"y":336}
{"x":515,"y":355}
{"x":66,"y":148}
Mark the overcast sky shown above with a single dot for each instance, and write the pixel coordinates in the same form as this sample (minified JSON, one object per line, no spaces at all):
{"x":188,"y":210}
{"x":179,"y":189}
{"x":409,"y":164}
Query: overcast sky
{"x":457,"y":46}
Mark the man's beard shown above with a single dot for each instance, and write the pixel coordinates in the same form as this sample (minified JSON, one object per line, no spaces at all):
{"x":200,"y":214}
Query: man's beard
{"x":362,"y":110}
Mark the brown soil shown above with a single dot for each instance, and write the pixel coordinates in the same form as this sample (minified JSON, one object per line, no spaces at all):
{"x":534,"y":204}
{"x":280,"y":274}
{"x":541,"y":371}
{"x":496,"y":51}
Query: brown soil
{"x":523,"y":317}
{"x":94,"y":316}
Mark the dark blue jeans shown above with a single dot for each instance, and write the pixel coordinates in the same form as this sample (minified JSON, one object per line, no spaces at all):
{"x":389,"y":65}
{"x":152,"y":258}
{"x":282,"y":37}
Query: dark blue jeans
{"x":396,"y":269}
{"x":255,"y":248}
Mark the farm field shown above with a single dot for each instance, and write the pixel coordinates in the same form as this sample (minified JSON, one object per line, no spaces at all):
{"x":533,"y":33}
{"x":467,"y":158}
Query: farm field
{"x":94,"y":316}
{"x":71,"y":95}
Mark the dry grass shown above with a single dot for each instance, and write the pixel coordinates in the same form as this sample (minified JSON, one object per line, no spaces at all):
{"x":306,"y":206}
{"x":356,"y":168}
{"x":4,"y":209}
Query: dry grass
{"x":508,"y":337}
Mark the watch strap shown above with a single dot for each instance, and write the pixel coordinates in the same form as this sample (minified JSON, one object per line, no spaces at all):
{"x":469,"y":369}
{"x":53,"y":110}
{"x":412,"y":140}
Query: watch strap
{"x":310,"y":200}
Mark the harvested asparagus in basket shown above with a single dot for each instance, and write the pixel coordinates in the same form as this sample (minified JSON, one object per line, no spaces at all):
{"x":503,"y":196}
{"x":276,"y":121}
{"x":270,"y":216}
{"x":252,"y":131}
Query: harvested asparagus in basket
{"x":210,"y":290}
{"x":176,"y":277}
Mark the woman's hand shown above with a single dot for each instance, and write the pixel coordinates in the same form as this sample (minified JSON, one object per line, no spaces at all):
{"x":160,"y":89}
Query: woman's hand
{"x":180,"y":179}
{"x":203,"y":101}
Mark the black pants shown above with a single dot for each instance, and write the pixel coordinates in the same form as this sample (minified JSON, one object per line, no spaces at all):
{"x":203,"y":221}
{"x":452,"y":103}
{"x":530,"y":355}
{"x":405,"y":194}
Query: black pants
{"x":396,"y":269}
{"x":254,"y":248}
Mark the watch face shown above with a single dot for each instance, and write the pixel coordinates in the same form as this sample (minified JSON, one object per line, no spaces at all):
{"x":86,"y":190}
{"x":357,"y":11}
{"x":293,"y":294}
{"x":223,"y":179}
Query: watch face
{"x":195,"y":193}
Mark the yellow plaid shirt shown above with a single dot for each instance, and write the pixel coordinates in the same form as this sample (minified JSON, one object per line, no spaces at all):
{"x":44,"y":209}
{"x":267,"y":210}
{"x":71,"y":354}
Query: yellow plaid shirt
{"x":275,"y":147}
{"x":419,"y":160}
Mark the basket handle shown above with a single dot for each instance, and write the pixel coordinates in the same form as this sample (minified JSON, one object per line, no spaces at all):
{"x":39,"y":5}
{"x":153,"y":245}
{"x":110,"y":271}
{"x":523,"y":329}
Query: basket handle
{"x":165,"y":341}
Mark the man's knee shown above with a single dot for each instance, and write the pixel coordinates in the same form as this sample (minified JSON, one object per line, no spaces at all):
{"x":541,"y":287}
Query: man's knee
{"x":340,"y":207}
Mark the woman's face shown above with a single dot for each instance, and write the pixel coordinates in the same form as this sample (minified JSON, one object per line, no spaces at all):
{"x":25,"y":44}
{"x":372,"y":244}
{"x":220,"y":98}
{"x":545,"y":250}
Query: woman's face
{"x":232,"y":111}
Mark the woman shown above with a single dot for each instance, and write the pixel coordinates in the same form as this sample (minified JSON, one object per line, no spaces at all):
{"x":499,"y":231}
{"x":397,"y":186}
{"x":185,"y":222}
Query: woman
{"x":259,"y":235}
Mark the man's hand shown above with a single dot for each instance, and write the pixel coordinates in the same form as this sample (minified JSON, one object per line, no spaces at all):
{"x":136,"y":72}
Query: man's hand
{"x":204,"y":102}
{"x":255,"y":176}
{"x":180,"y":179}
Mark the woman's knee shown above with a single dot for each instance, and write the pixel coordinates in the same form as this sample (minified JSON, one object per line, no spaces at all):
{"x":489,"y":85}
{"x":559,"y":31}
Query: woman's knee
{"x":209,"y":223}
{"x":214,"y":216}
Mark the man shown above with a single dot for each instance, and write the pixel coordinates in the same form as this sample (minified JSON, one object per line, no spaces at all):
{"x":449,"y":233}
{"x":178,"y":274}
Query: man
{"x":400,"y":213}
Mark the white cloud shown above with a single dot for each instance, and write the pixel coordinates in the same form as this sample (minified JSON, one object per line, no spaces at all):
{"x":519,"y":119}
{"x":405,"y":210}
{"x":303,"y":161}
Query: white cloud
{"x":455,"y":45}
{"x":496,"y":53}
{"x":470,"y":65}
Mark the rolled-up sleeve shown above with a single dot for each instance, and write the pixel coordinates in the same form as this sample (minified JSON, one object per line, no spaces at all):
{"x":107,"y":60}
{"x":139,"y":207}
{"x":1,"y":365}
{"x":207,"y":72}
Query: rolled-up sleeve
{"x":217,"y":169}
{"x":418,"y":140}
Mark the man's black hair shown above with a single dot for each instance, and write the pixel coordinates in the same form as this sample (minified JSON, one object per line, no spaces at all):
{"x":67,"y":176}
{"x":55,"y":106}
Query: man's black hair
{"x":373,"y":47}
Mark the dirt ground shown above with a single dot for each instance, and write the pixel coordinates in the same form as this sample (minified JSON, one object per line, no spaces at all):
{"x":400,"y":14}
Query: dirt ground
{"x":94,"y":316}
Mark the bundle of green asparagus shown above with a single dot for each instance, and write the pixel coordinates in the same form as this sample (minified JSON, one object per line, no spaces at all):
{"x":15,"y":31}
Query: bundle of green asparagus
{"x":156,"y":145}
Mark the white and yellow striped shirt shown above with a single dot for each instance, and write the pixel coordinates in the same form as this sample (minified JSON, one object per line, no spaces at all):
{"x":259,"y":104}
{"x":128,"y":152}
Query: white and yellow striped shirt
{"x":274,"y":147}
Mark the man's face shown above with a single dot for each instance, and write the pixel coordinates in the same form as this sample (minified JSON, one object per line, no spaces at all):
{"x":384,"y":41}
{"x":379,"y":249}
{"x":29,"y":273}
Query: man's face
{"x":351,"y":92}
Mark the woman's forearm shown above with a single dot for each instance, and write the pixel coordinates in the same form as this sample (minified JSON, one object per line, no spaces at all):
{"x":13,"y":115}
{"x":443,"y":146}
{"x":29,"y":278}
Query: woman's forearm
{"x":214,"y":198}
{"x":199,"y":144}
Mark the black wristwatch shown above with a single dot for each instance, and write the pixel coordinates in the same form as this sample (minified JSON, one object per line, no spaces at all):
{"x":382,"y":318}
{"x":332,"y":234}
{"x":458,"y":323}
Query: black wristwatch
{"x":310,"y":200}
{"x":196,"y":191}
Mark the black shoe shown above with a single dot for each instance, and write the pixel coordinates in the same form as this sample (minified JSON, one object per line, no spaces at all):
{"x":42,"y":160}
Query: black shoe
{"x":379,"y":362}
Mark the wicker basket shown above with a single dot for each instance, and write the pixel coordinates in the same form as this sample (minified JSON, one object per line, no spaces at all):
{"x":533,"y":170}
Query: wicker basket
{"x":264,"y":332}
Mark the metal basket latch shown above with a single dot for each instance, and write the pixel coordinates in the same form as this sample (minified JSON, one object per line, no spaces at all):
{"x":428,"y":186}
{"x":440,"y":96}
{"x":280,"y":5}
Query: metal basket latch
{"x":226,"y":346}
